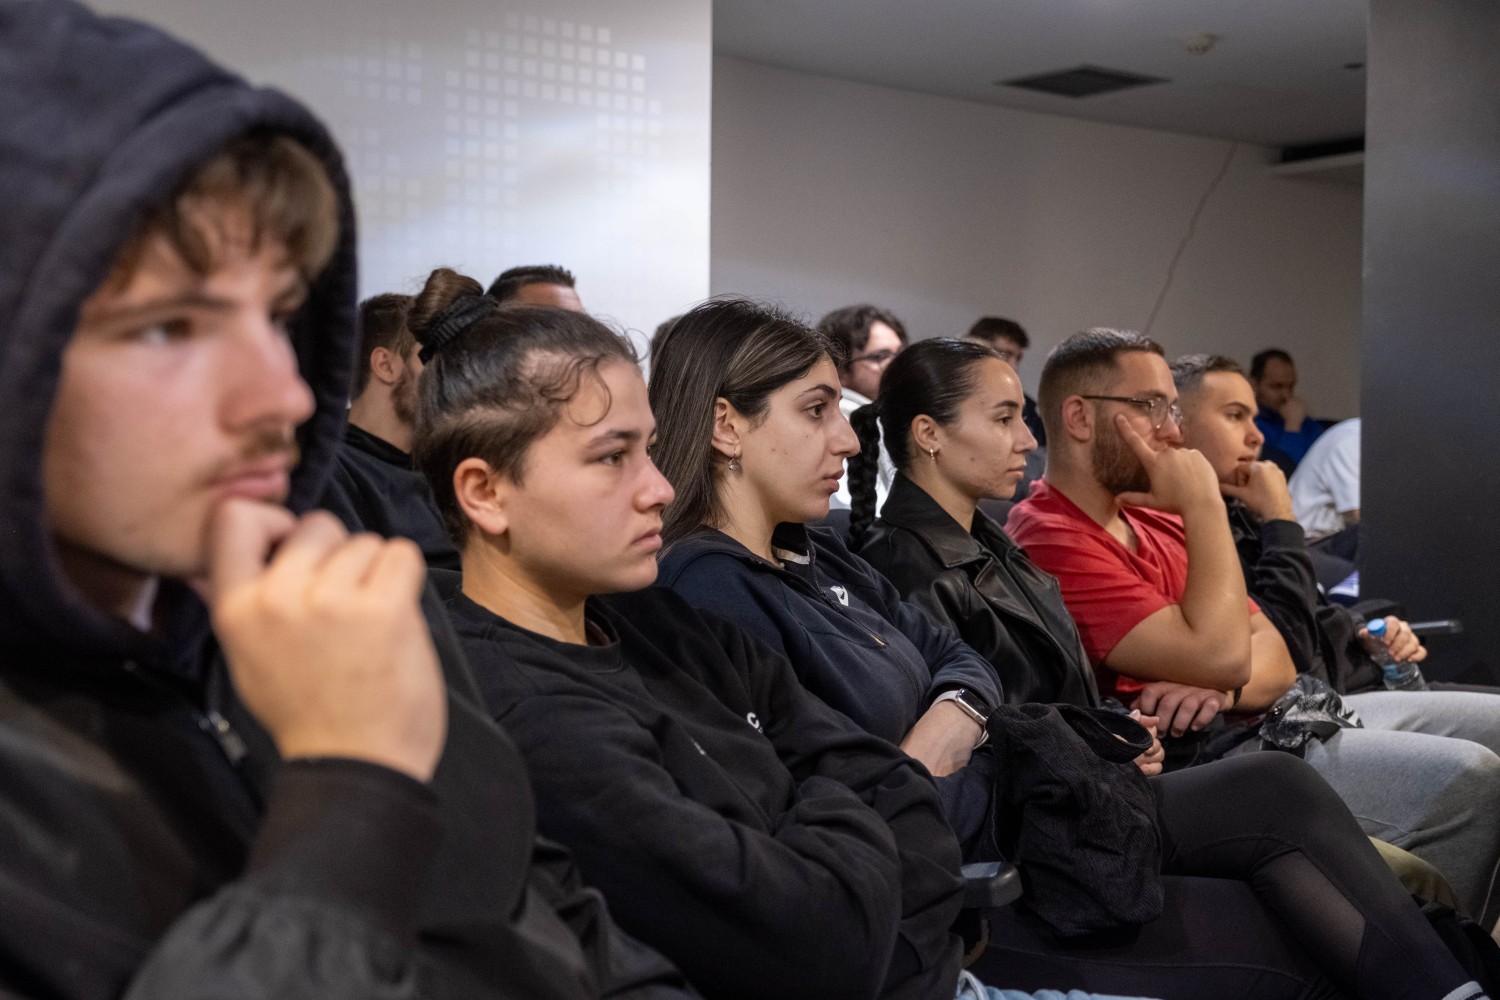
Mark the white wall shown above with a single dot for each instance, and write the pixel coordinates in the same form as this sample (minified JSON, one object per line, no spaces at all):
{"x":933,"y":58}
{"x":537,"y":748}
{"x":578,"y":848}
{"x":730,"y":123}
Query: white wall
{"x":487,"y":133}
{"x":827,"y":193}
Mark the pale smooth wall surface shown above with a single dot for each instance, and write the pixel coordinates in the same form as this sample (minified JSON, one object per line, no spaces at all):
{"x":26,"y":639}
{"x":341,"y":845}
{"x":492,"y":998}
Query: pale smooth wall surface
{"x":487,"y":133}
{"x":827,"y":193}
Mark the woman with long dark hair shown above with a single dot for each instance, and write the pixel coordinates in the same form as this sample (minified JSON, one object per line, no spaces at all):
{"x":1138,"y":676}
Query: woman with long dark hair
{"x":1272,"y":887}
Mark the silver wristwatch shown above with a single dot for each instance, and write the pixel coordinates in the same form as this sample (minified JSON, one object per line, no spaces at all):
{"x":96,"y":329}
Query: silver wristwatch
{"x":970,"y":706}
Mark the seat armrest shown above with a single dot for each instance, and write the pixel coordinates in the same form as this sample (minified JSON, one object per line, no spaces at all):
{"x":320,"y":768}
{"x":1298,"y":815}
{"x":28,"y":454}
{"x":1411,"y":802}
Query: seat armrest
{"x":990,"y":884}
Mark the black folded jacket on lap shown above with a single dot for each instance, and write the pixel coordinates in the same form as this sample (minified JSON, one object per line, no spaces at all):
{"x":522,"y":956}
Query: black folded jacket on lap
{"x":1072,"y":810}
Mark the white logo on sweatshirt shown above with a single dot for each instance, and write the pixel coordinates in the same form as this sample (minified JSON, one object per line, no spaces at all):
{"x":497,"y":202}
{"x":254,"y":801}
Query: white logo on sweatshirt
{"x":841,"y":594}
{"x":751,"y":718}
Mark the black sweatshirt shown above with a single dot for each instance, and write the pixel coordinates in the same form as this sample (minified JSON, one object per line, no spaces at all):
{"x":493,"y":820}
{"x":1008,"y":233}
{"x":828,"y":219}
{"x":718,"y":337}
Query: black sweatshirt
{"x":151,"y":842}
{"x":752,"y":834}
{"x":1321,"y":637}
{"x":374,"y":488}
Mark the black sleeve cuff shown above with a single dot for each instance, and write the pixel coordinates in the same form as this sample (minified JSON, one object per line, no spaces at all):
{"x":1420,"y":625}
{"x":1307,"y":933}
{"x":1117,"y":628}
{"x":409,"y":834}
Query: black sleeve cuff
{"x":1282,"y":535}
{"x":357,"y":835}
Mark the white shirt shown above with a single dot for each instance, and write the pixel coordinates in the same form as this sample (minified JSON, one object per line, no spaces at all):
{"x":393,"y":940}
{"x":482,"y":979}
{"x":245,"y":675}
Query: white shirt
{"x":885,"y":473}
{"x":1326,"y":483}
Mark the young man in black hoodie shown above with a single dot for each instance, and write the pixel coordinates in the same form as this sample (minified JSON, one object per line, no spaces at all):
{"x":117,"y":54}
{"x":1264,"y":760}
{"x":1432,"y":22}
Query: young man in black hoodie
{"x":176,"y":283}
{"x":1323,"y":639}
{"x":374,"y":487}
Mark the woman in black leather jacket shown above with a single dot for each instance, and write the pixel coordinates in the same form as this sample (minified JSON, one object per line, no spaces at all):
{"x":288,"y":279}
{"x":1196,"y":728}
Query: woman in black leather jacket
{"x":982,"y":585}
{"x":939,"y":548}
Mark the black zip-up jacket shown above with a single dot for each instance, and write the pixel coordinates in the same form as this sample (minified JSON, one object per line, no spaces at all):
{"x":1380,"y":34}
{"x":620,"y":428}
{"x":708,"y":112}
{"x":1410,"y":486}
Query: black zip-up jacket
{"x":151,"y":843}
{"x":982,"y":585}
{"x":374,"y":488}
{"x":1321,"y":636}
{"x":757,"y":837}
{"x":854,"y":642}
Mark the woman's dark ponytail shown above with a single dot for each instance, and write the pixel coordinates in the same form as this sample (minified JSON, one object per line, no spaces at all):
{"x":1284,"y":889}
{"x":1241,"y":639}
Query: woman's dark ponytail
{"x":864,"y":471}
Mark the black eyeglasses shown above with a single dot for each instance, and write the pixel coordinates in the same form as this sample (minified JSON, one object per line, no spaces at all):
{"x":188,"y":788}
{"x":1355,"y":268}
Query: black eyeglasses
{"x":1156,"y":408}
{"x":876,"y":358}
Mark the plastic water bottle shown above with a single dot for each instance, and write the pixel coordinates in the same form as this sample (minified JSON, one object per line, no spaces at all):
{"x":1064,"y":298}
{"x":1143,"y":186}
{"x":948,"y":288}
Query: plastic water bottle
{"x":1400,"y":675}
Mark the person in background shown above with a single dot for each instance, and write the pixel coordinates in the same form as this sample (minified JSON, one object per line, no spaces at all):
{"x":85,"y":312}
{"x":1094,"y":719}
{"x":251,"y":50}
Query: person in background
{"x":537,"y":285}
{"x":865,"y":338}
{"x":374,"y":486}
{"x":1325,"y":487}
{"x":1283,"y":418}
{"x":1325,"y":501}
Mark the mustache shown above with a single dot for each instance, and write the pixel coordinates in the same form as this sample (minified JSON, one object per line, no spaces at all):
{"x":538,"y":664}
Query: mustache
{"x":262,"y":442}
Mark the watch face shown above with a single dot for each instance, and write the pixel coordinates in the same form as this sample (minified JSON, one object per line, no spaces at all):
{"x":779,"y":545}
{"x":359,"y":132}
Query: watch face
{"x":976,"y":709}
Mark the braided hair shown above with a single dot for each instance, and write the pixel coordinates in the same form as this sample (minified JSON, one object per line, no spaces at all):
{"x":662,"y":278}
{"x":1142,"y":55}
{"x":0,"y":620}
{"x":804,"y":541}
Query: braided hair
{"x":864,"y":470}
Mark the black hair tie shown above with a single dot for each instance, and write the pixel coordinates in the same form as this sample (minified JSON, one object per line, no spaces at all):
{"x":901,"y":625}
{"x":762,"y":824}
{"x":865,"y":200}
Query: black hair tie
{"x":453,"y":320}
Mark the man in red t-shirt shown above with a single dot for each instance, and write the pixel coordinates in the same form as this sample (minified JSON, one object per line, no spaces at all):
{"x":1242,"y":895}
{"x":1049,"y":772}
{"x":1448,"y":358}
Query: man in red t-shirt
{"x":1134,"y":527}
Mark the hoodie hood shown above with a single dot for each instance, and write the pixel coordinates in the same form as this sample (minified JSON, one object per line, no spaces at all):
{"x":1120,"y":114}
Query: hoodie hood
{"x":101,"y":119}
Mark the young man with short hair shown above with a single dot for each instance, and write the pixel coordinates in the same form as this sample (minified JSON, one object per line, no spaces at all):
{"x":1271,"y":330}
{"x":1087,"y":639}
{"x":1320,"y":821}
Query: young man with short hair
{"x":537,"y":285}
{"x":1324,"y":640}
{"x":231,"y":762}
{"x":1135,"y":529}
{"x":374,"y":487}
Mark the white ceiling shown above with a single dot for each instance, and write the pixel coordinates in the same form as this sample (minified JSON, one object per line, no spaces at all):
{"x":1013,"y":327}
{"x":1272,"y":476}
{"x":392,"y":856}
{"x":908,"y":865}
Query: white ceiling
{"x":1275,"y":77}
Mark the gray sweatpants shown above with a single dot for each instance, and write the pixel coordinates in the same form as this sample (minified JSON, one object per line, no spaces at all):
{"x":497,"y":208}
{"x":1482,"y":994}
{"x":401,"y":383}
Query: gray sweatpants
{"x":1425,"y":775}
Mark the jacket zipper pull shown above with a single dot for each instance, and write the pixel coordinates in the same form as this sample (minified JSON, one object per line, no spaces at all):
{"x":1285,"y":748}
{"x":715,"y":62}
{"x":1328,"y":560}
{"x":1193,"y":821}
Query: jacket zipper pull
{"x":844,"y":610}
{"x":223,"y":733}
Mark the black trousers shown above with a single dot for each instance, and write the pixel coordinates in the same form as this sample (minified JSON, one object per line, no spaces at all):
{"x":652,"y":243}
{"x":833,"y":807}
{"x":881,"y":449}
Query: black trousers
{"x":1271,"y":892}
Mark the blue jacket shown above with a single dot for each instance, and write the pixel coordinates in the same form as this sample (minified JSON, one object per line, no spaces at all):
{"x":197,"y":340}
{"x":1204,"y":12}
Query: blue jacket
{"x":854,"y":642}
{"x":1292,"y":444}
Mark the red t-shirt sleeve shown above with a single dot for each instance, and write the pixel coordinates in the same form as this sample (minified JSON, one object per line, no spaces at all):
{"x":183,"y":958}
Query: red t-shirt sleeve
{"x":1105,"y":596}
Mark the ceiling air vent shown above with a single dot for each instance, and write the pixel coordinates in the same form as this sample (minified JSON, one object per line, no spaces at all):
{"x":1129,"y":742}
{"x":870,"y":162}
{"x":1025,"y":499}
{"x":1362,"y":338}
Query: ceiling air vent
{"x":1085,"y":81}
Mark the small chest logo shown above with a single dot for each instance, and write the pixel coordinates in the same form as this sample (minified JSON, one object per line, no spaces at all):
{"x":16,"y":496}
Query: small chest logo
{"x":754,"y":720}
{"x":841,"y":594}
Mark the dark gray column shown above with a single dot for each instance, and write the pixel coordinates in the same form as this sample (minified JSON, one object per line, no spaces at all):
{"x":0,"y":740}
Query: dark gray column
{"x":1430,"y":495}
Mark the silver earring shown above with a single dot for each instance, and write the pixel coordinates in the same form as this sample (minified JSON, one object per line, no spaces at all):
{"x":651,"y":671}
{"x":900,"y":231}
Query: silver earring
{"x":932,"y":454}
{"x":734,"y":463}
